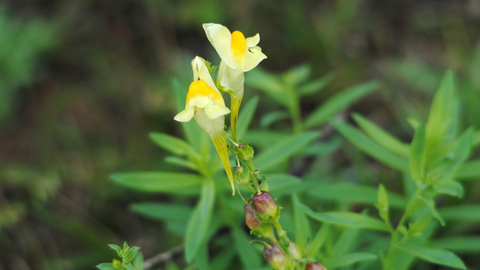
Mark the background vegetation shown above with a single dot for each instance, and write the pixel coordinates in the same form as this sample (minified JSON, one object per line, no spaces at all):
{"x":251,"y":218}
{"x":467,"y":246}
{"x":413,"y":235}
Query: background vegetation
{"x":83,"y":83}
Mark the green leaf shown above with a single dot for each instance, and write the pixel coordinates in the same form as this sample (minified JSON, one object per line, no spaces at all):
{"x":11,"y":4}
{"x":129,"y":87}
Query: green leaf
{"x":302,"y":226}
{"x":273,"y":117}
{"x":169,"y":212}
{"x":416,"y":227}
{"x":476,"y":138}
{"x":348,"y":259}
{"x":128,"y":266}
{"x":450,"y":187}
{"x":350,"y":193}
{"x":279,"y":152}
{"x":181,"y":162}
{"x":460,"y":153}
{"x":382,"y":137}
{"x":248,"y":255}
{"x":138,"y":262}
{"x":199,"y":221}
{"x":440,"y":127}
{"x":431,"y":204}
{"x":246,"y":115}
{"x":324,"y":148}
{"x":417,"y":155}
{"x":175,"y":183}
{"x":338,"y":103}
{"x":116,"y":248}
{"x":315,"y":86}
{"x":347,"y":219}
{"x":461,"y":213}
{"x":280,"y":184}
{"x":382,"y":204}
{"x":345,"y":242}
{"x":105,"y":266}
{"x":268,"y":83}
{"x":370,"y":147}
{"x":468,"y":170}
{"x":431,"y":254}
{"x":459,"y":244}
{"x":297,"y":75}
{"x":319,"y":239}
{"x":171,"y":144}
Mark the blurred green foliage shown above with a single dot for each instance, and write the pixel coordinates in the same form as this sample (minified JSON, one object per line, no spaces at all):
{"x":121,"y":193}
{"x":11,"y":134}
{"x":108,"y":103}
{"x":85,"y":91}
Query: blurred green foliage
{"x":83,"y":83}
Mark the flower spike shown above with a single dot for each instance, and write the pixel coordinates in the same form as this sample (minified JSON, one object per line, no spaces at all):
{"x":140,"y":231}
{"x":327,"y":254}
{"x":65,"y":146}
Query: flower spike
{"x":206,"y":105}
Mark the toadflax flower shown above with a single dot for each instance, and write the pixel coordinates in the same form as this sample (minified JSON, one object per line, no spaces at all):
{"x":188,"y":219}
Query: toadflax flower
{"x":239,"y":55}
{"x":206,"y":105}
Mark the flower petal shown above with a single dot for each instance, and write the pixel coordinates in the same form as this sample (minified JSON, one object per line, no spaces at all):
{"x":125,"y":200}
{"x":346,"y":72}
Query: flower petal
{"x":200,"y":101}
{"x":221,"y":39}
{"x":253,"y":41}
{"x":253,"y":57}
{"x":185,"y":115}
{"x":213,"y":111}
{"x":200,"y":72}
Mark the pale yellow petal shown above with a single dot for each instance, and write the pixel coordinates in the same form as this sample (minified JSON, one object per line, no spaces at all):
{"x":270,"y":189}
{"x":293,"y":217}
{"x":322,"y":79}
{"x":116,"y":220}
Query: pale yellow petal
{"x":199,"y":101}
{"x":185,"y":115}
{"x":213,"y":111}
{"x":253,"y":57}
{"x":221,"y":39}
{"x":253,"y":41}
{"x":200,"y":72}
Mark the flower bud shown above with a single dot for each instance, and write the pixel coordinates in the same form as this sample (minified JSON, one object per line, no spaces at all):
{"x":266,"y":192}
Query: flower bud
{"x":117,"y":264}
{"x":245,"y":152}
{"x":294,"y":251}
{"x":315,"y":266}
{"x":241,"y":176}
{"x":266,"y":207}
{"x":277,"y":258}
{"x":252,"y":222}
{"x":256,"y":225}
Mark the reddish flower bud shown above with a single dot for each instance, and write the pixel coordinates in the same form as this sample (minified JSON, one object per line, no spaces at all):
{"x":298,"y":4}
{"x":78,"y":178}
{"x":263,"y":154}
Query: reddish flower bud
{"x":250,"y":219}
{"x":315,"y":266}
{"x":277,"y":258}
{"x":266,"y":207}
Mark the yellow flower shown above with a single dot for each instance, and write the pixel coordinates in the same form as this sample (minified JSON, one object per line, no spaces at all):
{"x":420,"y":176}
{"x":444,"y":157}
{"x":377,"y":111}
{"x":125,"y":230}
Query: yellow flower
{"x":235,"y":50}
{"x":239,"y":55}
{"x":206,"y":105}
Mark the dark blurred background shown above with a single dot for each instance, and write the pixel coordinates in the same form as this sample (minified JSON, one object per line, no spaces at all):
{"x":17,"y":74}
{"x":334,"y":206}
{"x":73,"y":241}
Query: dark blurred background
{"x":83,"y":82}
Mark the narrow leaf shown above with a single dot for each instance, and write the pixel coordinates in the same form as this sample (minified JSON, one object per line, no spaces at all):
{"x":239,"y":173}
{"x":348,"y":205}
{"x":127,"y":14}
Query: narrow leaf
{"x":461,"y":213}
{"x":273,"y":117}
{"x":468,"y":170}
{"x":370,"y":147}
{"x":199,"y":221}
{"x":250,"y":258}
{"x":315,"y":86}
{"x":302,"y":227}
{"x":417,"y":154}
{"x":347,"y":219}
{"x":339,"y":102}
{"x":350,"y":193}
{"x":382,"y":137}
{"x":169,"y":212}
{"x":434,"y":255}
{"x":319,"y":239}
{"x":171,"y":144}
{"x":280,"y":184}
{"x":277,"y":153}
{"x":459,"y":244}
{"x":176,"y":183}
{"x":348,"y":259}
